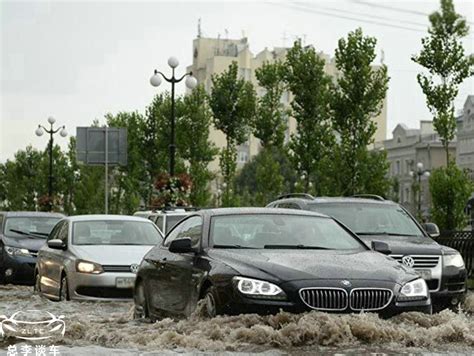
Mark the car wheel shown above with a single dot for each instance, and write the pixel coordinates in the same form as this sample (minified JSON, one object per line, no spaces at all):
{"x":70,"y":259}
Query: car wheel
{"x":37,"y":286}
{"x":64,"y":292}
{"x":140,"y":311}
{"x":212,"y":304}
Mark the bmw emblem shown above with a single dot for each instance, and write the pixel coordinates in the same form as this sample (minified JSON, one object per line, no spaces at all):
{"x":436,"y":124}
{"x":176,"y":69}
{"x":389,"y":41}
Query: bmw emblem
{"x":134,"y":268}
{"x":408,"y":261}
{"x":346,"y":283}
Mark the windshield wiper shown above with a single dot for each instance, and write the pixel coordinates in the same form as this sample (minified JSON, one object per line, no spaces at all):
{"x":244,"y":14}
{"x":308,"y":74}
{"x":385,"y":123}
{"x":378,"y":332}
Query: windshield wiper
{"x":384,"y":233}
{"x":296,"y":246}
{"x":232,"y":246}
{"x":31,"y":235}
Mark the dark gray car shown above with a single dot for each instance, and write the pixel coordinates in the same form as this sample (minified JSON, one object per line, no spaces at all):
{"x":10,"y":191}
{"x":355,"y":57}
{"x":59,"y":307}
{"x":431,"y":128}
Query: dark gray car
{"x":373,"y":218}
{"x":22,"y":234}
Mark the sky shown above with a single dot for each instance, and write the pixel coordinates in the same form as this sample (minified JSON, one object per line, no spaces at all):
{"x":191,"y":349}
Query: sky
{"x":77,"y":61}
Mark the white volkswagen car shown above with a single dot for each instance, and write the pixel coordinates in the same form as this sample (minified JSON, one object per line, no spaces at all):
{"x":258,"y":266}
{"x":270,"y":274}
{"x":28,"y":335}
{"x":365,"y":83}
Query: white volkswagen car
{"x":94,"y":257}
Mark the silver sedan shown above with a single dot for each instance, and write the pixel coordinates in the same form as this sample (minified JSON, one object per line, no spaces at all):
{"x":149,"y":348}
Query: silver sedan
{"x":94,"y":257}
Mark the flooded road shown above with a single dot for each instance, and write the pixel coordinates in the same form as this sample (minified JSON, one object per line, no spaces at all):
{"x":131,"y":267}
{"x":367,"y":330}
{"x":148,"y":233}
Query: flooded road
{"x":95,"y":328}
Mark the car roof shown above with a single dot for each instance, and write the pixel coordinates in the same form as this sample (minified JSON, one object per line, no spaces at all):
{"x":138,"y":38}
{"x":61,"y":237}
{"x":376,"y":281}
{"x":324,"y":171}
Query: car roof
{"x":245,"y":211}
{"x":101,"y":217}
{"x":351,"y":200}
{"x":31,"y":214}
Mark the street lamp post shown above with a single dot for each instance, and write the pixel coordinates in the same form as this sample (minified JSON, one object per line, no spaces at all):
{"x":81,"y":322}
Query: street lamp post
{"x":190,"y":82}
{"x":51,"y":131}
{"x":420,"y":172}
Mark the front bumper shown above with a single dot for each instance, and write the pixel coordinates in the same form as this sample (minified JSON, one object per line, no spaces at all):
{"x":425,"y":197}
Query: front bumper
{"x":18,"y":269}
{"x":236,"y":303}
{"x":103,"y":286}
{"x":452,"y":288}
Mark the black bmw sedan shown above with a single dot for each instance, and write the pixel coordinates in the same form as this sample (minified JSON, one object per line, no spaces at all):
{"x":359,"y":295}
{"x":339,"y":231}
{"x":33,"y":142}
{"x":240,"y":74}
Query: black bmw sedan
{"x":242,"y":260}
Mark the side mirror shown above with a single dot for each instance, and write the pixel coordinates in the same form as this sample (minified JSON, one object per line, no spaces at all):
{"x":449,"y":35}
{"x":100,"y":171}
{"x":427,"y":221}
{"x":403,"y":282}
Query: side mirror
{"x":431,"y":229}
{"x":381,"y":247}
{"x":182,"y":245}
{"x":56,"y":244}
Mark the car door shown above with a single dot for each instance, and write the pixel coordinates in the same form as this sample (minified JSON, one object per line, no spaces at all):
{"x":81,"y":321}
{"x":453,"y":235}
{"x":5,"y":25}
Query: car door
{"x":45,"y":262}
{"x":171,"y":281}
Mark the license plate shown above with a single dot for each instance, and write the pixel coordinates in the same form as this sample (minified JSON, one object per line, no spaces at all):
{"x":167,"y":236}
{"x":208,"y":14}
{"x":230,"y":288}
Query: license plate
{"x":424,"y":273}
{"x":124,"y":282}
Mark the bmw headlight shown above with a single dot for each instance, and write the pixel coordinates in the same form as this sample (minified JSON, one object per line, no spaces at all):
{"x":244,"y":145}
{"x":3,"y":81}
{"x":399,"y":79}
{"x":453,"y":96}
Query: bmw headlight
{"x":88,"y":267}
{"x":15,"y":251}
{"x":414,"y":290}
{"x":453,"y":260}
{"x":258,"y":289}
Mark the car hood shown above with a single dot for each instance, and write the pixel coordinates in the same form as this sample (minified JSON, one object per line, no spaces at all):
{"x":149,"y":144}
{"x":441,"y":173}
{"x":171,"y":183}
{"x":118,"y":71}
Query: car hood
{"x":288,"y":265}
{"x":111,"y":254}
{"x":406,"y":245}
{"x":32,"y":244}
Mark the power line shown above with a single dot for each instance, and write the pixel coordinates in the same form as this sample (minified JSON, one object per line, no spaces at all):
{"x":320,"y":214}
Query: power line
{"x":362,"y":14}
{"x":397,"y":9}
{"x":352,"y":18}
{"x":324,"y":13}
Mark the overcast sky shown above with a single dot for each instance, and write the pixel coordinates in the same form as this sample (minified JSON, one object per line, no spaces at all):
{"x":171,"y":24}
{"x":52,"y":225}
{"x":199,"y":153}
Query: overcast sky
{"x":77,"y":61}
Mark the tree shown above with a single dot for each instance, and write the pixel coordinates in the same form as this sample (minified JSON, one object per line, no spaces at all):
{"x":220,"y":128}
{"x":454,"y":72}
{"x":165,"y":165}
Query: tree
{"x":20,"y":183}
{"x":270,"y":124}
{"x":156,"y":139}
{"x":356,"y":99}
{"x":194,"y":145}
{"x":232,"y":102}
{"x":309,"y":148}
{"x":450,"y":189}
{"x":248,"y":180}
{"x":443,"y":57}
{"x":128,"y":189}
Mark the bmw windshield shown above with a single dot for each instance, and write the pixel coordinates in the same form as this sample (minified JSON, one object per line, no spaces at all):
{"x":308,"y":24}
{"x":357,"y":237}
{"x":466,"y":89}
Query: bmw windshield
{"x":371,"y":219}
{"x":275,"y":231}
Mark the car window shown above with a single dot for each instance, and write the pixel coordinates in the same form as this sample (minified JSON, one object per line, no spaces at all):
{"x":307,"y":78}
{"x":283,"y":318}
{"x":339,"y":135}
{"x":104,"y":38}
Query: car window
{"x":55,"y":232}
{"x":266,"y":230}
{"x":115,"y":232}
{"x":191,"y":227}
{"x":39,"y":225}
{"x":371,"y":218}
{"x":63,"y":232}
{"x":159,"y":222}
{"x":172,"y":220}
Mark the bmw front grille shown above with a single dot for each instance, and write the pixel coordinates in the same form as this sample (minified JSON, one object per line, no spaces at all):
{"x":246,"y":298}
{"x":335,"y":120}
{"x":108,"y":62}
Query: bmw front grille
{"x":370,"y":299}
{"x":338,"y":299}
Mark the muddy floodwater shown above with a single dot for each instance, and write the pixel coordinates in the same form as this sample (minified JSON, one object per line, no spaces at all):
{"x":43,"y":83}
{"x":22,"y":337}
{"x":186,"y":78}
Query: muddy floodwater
{"x":107,"y":328}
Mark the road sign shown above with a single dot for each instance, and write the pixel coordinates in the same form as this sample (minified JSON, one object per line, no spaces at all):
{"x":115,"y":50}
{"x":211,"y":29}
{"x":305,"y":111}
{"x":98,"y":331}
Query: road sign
{"x":91,"y":145}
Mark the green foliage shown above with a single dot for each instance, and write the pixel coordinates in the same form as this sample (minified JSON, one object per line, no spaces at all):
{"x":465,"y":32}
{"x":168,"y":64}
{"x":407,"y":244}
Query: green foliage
{"x":443,"y":57}
{"x":450,"y":189}
{"x":194,"y":145}
{"x":126,"y":188}
{"x":250,"y":182}
{"x":356,"y":99}
{"x":309,"y":148}
{"x":270,"y":123}
{"x":232,"y":102}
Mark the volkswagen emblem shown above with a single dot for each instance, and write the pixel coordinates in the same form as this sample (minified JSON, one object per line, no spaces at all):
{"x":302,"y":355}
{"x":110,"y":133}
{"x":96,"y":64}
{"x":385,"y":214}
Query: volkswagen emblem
{"x":346,"y":283}
{"x":408,"y":261}
{"x":134,"y":268}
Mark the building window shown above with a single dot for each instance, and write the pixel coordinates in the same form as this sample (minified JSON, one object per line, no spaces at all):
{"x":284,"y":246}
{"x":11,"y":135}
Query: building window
{"x":397,"y":171}
{"x":243,"y":157}
{"x":407,"y":195}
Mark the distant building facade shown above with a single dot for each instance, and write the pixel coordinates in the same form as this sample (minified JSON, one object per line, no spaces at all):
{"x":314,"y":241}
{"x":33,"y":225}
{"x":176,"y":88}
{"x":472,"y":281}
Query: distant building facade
{"x":213,"y":56}
{"x":465,"y":136}
{"x":405,"y":150}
